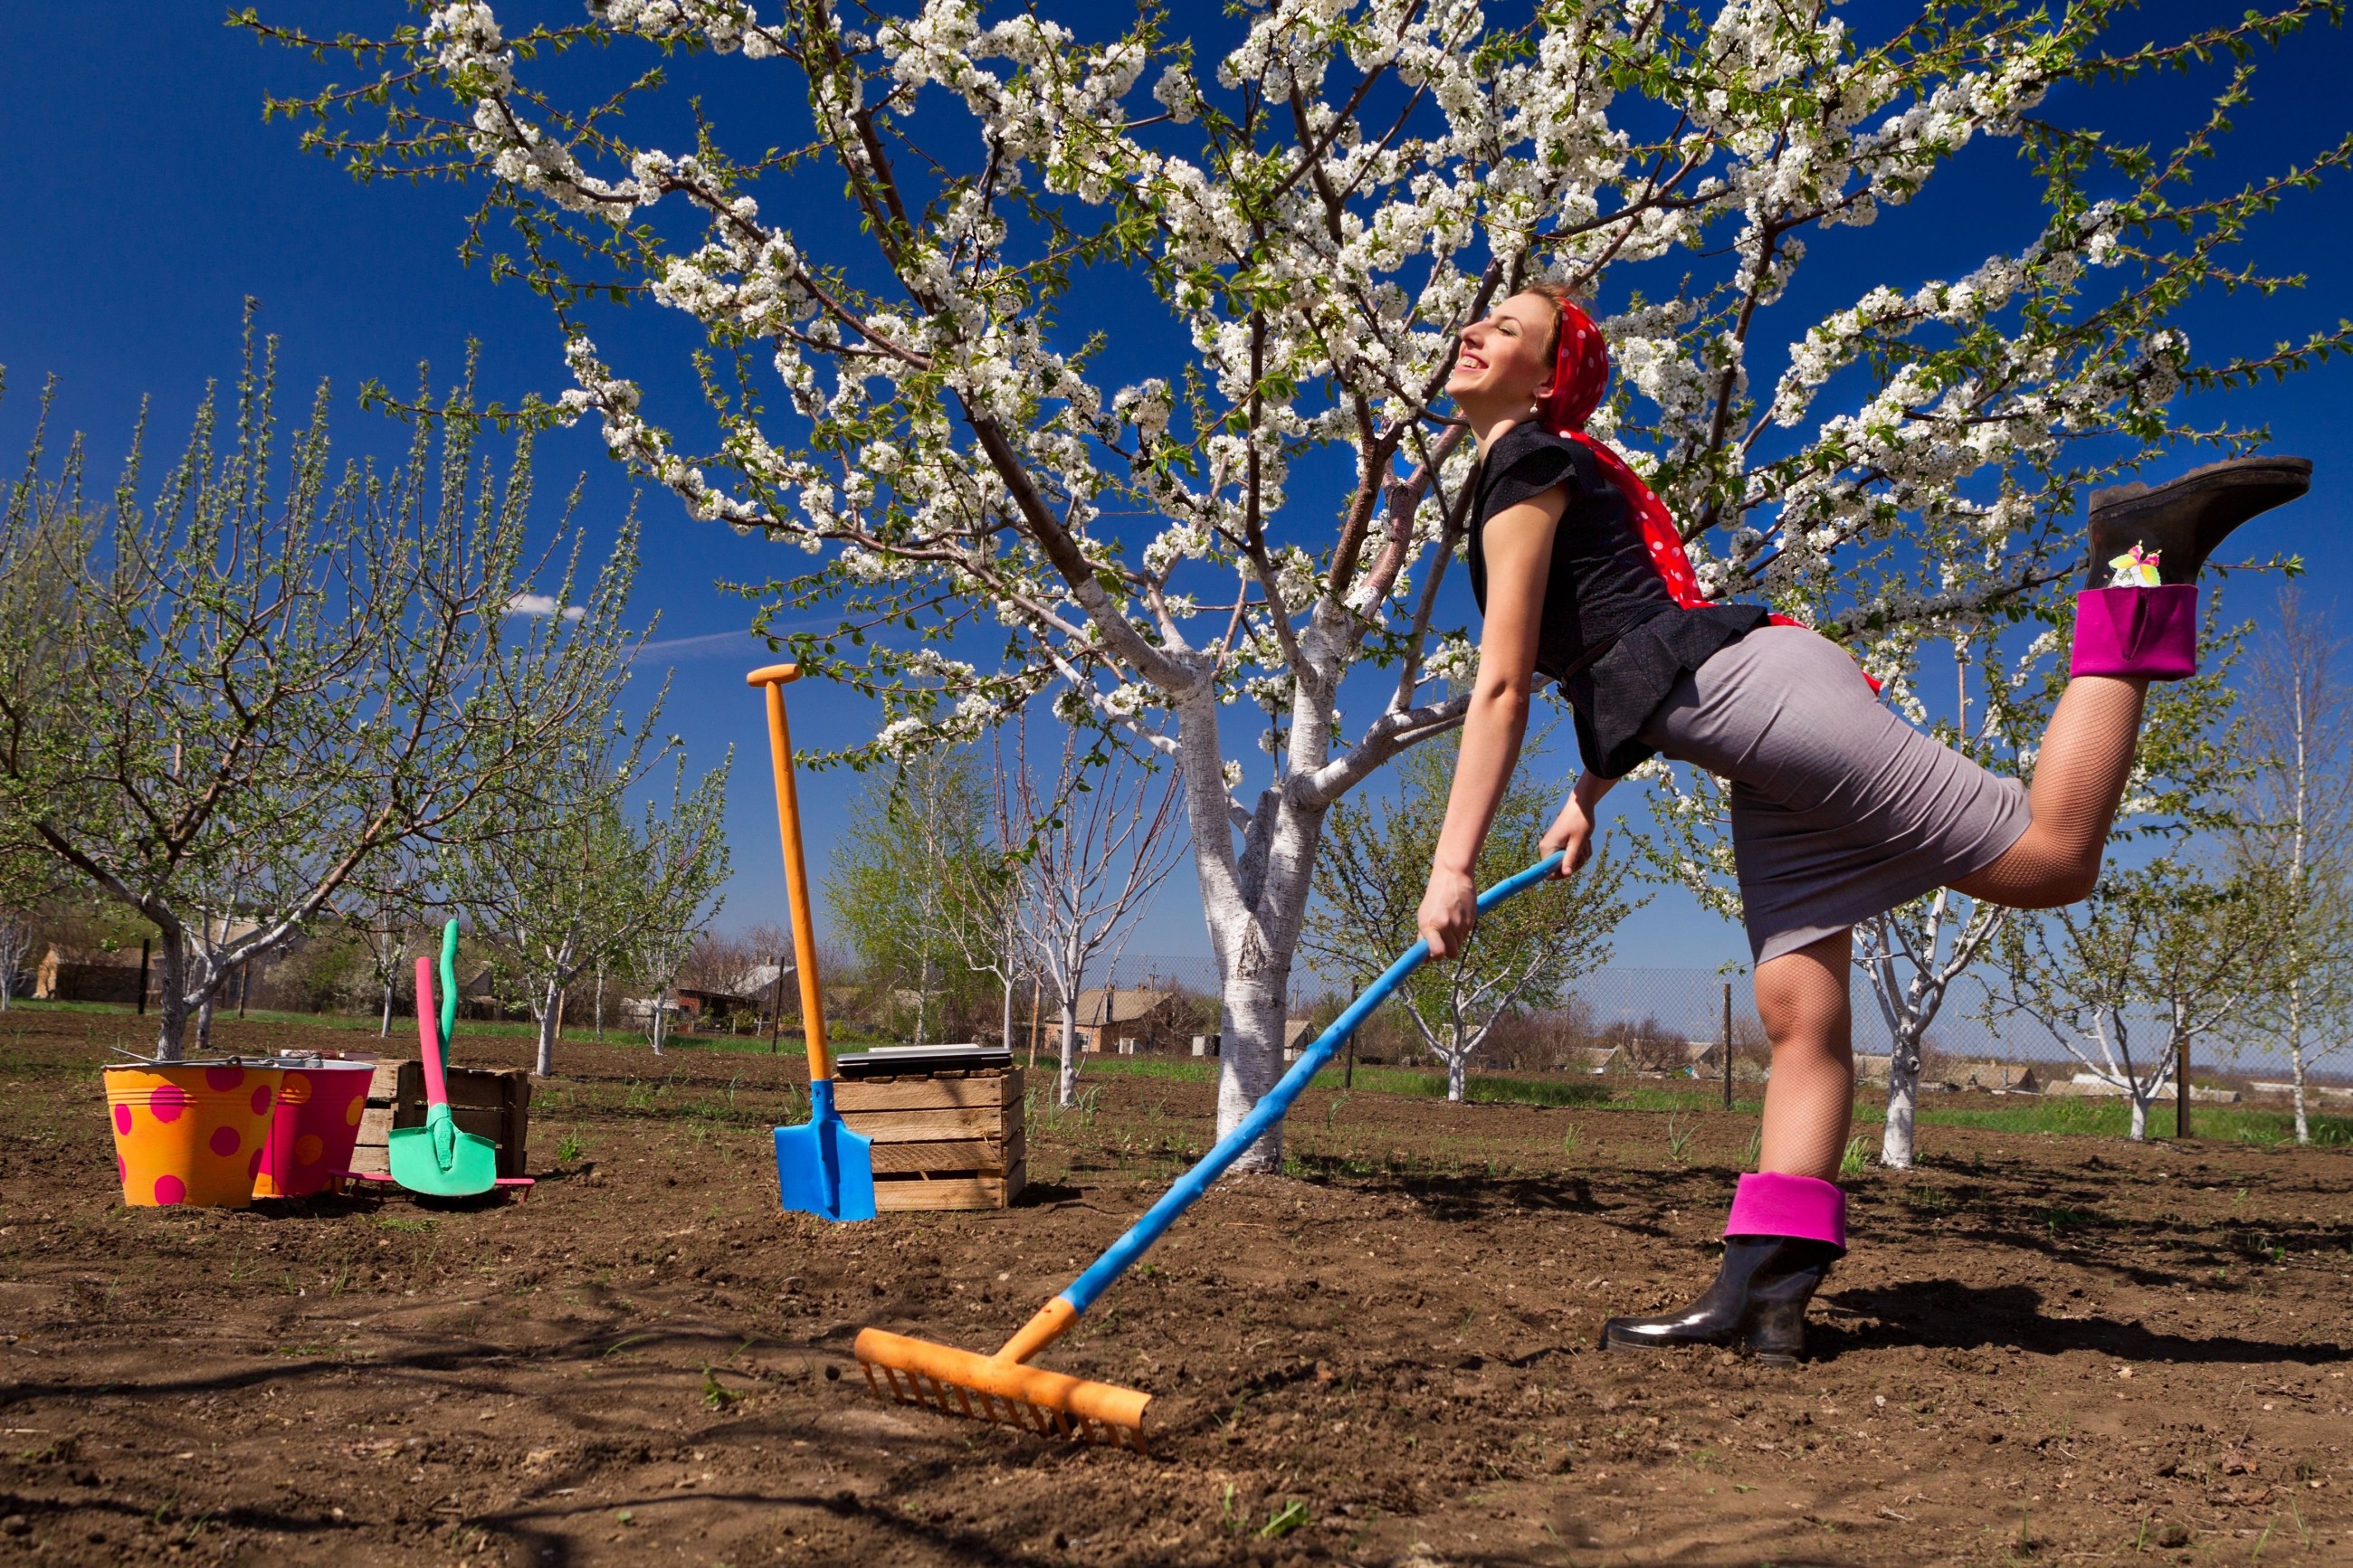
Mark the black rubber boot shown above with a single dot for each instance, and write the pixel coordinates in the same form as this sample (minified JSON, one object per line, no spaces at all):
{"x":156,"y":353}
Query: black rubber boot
{"x":2181,"y":521}
{"x":1756,"y":1304}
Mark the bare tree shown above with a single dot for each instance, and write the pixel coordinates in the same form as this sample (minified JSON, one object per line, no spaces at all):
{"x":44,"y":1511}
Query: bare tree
{"x":250,"y":691}
{"x":389,"y":910}
{"x":2295,"y":838}
{"x":678,"y":860}
{"x":2158,"y":958}
{"x":1370,"y":884}
{"x":572,"y":881}
{"x":1095,"y":842}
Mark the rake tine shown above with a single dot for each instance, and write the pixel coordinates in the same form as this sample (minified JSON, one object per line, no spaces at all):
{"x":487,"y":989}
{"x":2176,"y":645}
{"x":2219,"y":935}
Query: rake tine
{"x":965,"y":1400}
{"x":871,"y":1386}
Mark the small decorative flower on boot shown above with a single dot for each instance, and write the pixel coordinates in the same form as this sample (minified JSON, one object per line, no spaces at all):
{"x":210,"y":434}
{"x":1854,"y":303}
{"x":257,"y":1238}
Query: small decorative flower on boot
{"x":2136,"y":568}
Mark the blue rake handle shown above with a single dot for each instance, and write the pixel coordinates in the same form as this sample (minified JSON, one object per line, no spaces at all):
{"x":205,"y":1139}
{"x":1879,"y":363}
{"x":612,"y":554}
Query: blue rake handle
{"x":1270,"y":1109}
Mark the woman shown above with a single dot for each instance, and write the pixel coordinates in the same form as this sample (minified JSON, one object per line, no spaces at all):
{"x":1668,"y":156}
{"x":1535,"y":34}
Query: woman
{"x":1839,"y":810}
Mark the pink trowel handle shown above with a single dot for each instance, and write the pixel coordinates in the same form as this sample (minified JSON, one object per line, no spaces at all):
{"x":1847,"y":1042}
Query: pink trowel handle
{"x":429,"y":1037}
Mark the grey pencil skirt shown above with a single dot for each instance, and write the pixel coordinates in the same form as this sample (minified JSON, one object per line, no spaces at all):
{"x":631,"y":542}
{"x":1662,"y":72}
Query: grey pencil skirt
{"x":1841,"y":810}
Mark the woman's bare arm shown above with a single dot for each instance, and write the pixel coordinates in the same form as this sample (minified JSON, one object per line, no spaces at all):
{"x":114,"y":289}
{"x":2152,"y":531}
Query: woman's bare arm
{"x":1518,"y":547}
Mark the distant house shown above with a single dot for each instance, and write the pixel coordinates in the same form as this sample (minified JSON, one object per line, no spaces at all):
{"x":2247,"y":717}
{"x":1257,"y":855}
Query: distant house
{"x":1987,"y":1077}
{"x":700,"y":1005}
{"x":1157,"y":1021}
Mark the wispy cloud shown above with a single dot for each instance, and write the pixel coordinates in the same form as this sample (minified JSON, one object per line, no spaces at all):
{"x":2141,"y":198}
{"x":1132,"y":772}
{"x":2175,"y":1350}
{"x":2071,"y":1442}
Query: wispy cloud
{"x":543,"y":604}
{"x":707,"y":644}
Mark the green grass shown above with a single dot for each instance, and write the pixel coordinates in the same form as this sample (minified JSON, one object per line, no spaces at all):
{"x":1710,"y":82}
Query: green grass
{"x":1483,"y":1088}
{"x":2064,"y":1116}
{"x":2106,"y":1117}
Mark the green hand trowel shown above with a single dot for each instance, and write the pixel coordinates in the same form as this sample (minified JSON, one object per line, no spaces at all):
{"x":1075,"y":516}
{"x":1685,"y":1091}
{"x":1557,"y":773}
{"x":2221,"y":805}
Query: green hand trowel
{"x":437,"y":1158}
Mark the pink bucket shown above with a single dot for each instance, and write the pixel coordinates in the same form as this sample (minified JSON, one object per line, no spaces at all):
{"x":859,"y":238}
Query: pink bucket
{"x":315,"y":1127}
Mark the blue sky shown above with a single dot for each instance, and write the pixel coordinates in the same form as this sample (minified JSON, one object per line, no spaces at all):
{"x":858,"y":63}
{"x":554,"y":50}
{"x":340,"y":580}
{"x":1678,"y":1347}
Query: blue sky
{"x":147,"y":199}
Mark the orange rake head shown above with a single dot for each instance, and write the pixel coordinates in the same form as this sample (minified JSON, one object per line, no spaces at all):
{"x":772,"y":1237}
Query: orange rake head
{"x":999,"y":1388}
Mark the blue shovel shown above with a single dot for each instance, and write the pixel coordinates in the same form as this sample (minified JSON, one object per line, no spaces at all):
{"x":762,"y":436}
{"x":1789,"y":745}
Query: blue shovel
{"x":822,"y":1168}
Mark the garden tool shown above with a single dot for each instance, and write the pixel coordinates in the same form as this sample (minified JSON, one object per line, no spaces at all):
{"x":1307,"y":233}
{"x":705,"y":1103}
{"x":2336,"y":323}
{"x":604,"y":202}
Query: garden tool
{"x":437,"y":1158}
{"x":1003,"y":1387}
{"x":822,"y":1168}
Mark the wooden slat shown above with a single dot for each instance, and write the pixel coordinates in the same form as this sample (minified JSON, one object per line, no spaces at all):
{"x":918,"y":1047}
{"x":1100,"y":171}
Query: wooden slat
{"x":924,"y":1126}
{"x":370,"y":1156}
{"x":983,"y":1154}
{"x":969,"y":1192}
{"x":925,"y":1094}
{"x":986,"y":1154}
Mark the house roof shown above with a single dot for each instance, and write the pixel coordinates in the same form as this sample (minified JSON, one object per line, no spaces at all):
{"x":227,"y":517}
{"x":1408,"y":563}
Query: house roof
{"x":1126,"y":1005}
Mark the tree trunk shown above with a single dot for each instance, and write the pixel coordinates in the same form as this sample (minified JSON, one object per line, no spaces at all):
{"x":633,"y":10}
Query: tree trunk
{"x":1458,"y":1075}
{"x":2140,"y":1098}
{"x":1066,"y":1085}
{"x":1897,"y":1145}
{"x":171,"y":1001}
{"x":661,"y":1018}
{"x":205,"y":1010}
{"x":2296,"y":1077}
{"x":1250,"y":1057}
{"x":384,"y":1030}
{"x":550,"y":1017}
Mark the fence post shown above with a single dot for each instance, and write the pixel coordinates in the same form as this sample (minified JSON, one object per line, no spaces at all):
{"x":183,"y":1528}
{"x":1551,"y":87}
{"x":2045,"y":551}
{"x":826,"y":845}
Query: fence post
{"x":1727,"y":1045}
{"x":775,"y":1006}
{"x":2182,"y":1092}
{"x":143,"y":976}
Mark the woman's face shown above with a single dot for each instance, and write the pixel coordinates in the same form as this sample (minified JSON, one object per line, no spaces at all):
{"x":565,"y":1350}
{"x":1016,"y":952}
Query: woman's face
{"x":1505,"y":360}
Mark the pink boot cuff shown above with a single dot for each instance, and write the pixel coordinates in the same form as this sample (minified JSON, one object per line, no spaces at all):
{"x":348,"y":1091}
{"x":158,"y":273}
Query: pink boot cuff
{"x":2148,"y":632}
{"x":1770,"y":1204}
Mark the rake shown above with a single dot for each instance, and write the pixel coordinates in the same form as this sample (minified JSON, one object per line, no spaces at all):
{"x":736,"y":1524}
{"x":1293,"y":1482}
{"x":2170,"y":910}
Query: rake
{"x":1004,"y":1388}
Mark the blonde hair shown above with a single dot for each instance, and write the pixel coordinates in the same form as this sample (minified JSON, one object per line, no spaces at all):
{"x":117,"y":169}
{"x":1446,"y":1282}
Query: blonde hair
{"x":1560,"y":295}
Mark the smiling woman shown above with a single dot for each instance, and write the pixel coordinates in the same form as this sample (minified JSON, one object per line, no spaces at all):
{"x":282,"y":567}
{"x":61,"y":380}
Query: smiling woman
{"x":1839,"y":810}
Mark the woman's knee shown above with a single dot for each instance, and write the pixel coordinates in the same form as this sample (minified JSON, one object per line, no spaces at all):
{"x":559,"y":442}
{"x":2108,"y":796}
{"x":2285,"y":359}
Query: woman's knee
{"x":1801,"y":997}
{"x":2041,"y":871}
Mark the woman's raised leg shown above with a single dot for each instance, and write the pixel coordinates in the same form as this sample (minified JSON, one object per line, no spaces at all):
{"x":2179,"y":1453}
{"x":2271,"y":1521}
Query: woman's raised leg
{"x":2079,"y":779}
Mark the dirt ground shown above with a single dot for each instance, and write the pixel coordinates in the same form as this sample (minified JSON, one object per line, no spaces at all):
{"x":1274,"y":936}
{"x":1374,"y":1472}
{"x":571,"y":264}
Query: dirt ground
{"x":2041,"y":1350}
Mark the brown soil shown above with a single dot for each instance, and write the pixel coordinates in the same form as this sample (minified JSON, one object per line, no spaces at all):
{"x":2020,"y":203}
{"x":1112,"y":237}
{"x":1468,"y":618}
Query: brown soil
{"x":2041,"y":1350}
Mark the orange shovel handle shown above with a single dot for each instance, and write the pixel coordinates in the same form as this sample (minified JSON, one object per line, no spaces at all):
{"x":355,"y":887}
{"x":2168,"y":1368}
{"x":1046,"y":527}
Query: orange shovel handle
{"x":773,"y":679}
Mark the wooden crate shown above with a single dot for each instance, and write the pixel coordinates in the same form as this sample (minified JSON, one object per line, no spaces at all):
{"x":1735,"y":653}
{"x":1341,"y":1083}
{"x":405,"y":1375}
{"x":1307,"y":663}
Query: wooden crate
{"x":942,"y":1142}
{"x":492,"y":1103}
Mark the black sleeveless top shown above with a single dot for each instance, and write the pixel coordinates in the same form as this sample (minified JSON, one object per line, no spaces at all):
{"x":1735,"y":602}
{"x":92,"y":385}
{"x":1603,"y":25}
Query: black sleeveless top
{"x":1603,"y":593}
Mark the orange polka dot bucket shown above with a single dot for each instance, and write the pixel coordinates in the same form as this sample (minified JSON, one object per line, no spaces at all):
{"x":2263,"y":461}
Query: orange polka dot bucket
{"x":315,"y":1126}
{"x":190,"y":1132}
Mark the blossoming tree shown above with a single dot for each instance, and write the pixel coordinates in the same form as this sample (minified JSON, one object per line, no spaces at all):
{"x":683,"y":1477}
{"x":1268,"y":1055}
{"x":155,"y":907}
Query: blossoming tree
{"x":1291,"y":211}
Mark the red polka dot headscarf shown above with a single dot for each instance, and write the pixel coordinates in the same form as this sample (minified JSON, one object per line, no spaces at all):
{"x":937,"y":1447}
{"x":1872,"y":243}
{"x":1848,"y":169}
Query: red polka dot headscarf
{"x":1580,"y":372}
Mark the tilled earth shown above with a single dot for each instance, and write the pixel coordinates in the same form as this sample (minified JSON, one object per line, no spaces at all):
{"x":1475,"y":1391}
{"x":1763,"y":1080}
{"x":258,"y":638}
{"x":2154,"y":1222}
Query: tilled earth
{"x":2041,"y":1350}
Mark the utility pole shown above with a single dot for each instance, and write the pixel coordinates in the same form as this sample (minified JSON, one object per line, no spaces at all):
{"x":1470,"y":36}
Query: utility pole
{"x":2182,"y":1092}
{"x":1727,"y":1045}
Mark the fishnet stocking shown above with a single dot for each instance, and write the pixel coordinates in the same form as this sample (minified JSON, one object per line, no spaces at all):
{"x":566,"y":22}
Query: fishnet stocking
{"x":2087,"y":754}
{"x":1810,"y":1099}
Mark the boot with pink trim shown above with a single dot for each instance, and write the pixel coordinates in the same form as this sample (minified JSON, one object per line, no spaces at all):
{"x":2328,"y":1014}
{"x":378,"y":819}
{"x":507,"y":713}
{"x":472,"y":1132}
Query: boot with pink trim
{"x":1779,"y":1241}
{"x":2138,"y":617}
